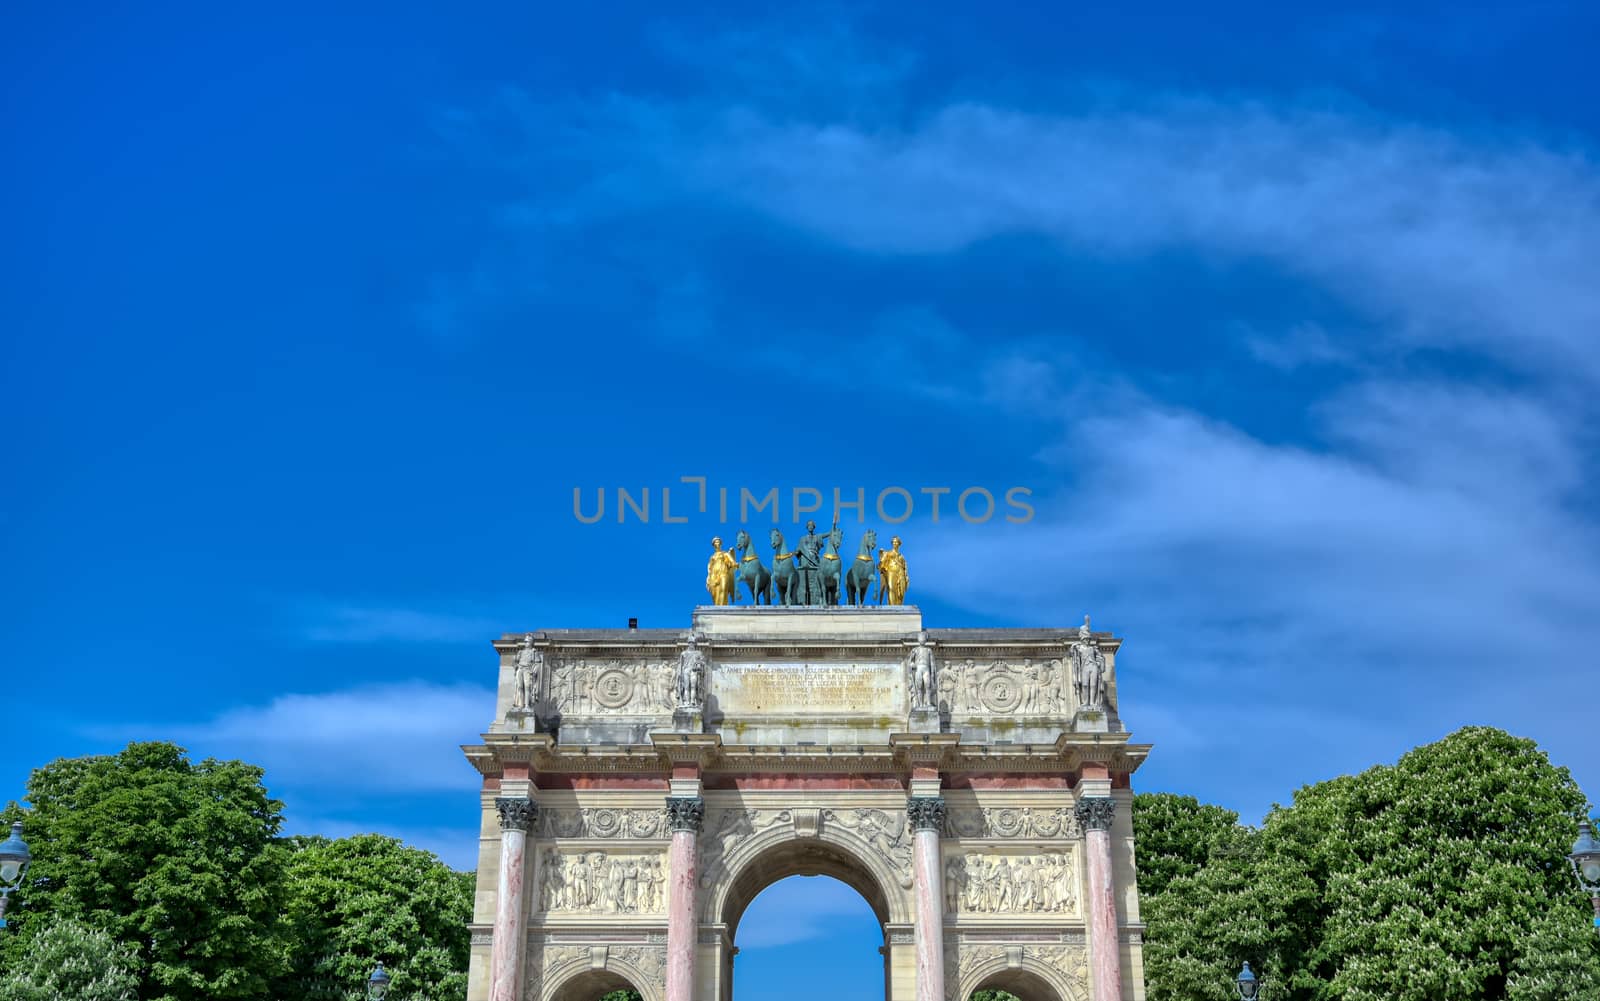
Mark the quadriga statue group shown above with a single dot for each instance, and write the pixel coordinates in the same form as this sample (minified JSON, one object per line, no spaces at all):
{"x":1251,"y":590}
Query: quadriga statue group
{"x":813,"y":573}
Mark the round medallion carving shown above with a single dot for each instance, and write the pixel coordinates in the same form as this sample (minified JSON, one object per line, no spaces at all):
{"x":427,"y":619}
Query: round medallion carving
{"x":604,"y":823}
{"x":1002,"y":693}
{"x":613,"y":689}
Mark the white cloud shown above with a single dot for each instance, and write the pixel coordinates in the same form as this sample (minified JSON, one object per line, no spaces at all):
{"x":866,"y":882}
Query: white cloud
{"x":399,"y":737}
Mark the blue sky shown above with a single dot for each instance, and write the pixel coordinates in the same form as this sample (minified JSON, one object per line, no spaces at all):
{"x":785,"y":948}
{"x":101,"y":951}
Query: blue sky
{"x":311,"y":322}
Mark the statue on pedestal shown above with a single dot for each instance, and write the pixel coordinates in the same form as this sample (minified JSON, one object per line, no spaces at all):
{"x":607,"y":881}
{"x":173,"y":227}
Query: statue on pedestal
{"x":720,"y":574}
{"x":924,"y":690}
{"x":691,"y":677}
{"x":892,"y":576}
{"x":529,"y":672}
{"x":1088,"y":670}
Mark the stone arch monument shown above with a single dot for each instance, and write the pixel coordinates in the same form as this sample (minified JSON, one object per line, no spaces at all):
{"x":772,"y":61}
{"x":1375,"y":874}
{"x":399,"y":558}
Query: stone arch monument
{"x":642,"y":786}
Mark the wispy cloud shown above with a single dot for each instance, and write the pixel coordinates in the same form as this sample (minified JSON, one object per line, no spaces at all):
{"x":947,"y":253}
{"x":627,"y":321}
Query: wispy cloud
{"x":401,"y":738}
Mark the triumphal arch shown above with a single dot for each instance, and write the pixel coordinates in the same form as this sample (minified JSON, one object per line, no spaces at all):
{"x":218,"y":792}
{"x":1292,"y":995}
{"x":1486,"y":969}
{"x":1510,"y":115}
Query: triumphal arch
{"x":641,"y":786}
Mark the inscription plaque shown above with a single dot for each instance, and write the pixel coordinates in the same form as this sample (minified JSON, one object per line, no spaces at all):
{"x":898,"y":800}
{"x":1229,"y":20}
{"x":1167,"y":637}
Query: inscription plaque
{"x":848,"y":689}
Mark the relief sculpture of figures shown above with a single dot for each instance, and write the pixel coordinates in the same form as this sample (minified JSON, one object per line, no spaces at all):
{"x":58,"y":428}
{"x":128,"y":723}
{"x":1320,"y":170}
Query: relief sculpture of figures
{"x":720,"y":575}
{"x":1007,"y":884}
{"x":892,"y":577}
{"x":1088,"y":670}
{"x":594,"y":881}
{"x":691,"y":677}
{"x":530,"y":668}
{"x":920,"y":669}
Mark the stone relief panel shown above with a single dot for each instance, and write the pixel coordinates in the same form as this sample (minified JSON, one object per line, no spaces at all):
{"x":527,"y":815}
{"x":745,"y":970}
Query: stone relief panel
{"x":1024,"y":884}
{"x":731,"y":829}
{"x":962,"y":961}
{"x":1031,"y":688}
{"x":598,"y":687}
{"x":885,"y":832}
{"x":603,"y":823}
{"x":548,"y":963}
{"x":598,"y":882}
{"x":1012,"y":822}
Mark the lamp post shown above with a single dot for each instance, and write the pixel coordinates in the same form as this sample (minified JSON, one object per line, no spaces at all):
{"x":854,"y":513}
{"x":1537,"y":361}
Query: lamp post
{"x":14,"y":861}
{"x":378,"y":984}
{"x":1249,"y":987}
{"x":1585,"y":859}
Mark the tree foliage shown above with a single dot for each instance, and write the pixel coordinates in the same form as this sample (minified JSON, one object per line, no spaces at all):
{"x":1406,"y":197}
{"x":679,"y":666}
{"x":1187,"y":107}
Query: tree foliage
{"x":179,"y":860}
{"x":70,"y":961}
{"x":358,"y":901}
{"x":1438,"y":878}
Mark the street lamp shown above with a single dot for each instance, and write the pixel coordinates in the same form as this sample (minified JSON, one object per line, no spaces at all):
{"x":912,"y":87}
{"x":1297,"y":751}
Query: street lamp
{"x":1247,"y":984}
{"x":1585,"y":859}
{"x":377,"y":984}
{"x":14,"y":861}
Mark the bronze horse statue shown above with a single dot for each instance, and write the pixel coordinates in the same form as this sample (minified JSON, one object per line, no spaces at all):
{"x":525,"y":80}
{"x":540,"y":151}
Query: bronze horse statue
{"x":785,"y":578}
{"x":751,"y":570}
{"x":830,"y":567}
{"x":858,"y":581}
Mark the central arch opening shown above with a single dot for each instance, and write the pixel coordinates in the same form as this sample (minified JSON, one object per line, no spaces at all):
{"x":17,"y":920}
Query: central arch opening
{"x":807,"y":921}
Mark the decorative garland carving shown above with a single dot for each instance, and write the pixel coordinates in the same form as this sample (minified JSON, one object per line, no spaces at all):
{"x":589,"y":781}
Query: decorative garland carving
{"x":1012,"y":822}
{"x":604,"y":822}
{"x":1069,"y":963}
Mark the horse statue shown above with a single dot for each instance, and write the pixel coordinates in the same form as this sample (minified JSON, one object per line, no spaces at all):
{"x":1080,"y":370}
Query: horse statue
{"x":751,"y":570}
{"x":830,"y":567}
{"x":785,"y":578}
{"x":858,"y":581}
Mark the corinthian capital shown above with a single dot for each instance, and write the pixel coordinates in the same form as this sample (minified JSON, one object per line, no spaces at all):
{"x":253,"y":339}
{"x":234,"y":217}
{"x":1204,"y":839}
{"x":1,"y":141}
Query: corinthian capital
{"x":1096,"y":812}
{"x":926,"y":813}
{"x":686,"y":813}
{"x":516,"y":813}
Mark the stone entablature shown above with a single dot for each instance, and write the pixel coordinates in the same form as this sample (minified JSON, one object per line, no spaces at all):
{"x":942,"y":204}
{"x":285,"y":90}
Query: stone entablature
{"x":666,"y":777}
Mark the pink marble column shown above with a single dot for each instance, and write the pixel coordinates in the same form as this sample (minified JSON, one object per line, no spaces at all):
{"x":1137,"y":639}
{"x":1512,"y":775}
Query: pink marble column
{"x":517,"y":816}
{"x":685,"y":815}
{"x":927,"y":820}
{"x":1095,"y":814}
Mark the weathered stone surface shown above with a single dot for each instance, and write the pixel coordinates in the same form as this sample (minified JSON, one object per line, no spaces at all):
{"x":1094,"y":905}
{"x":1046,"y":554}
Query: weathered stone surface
{"x":970,"y":783}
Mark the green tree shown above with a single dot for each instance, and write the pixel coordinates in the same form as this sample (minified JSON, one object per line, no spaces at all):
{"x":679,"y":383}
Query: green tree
{"x":1176,"y":836}
{"x":70,"y":961}
{"x":1438,"y":878}
{"x":357,"y":901}
{"x":178,"y":860}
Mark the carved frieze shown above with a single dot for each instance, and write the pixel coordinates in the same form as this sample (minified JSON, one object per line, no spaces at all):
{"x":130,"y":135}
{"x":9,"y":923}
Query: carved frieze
{"x":581,"y":686}
{"x":1068,"y":962}
{"x":1011,"y":822}
{"x":598,"y":882}
{"x":603,"y":823}
{"x":1005,"y":884}
{"x":1029,"y":688}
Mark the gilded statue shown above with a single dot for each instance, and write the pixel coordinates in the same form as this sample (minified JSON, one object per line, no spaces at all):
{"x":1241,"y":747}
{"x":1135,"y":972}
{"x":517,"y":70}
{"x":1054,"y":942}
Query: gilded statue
{"x":892,"y":577}
{"x":720,"y":572}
